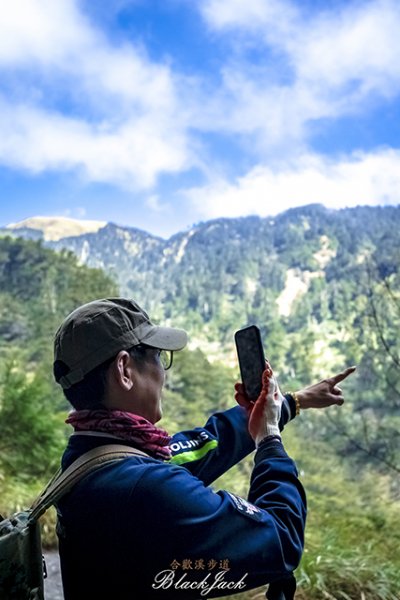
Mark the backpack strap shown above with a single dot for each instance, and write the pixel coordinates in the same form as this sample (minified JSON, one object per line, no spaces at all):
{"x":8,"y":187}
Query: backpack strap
{"x":62,"y":482}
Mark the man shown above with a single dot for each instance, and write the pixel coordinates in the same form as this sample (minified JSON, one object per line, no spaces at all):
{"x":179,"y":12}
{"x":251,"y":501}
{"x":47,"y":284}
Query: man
{"x":148,"y":526}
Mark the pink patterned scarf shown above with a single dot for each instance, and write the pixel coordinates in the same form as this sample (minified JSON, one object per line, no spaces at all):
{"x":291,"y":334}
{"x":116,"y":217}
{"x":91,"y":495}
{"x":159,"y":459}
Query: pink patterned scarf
{"x":126,"y":426}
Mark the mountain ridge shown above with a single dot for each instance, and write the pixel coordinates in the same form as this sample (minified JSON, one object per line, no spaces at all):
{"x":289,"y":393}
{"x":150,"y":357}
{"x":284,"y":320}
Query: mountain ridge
{"x":227,"y":270}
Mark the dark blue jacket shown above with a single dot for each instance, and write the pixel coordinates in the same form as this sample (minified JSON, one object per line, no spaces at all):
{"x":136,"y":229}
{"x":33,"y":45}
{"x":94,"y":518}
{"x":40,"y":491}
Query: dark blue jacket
{"x":143,"y":529}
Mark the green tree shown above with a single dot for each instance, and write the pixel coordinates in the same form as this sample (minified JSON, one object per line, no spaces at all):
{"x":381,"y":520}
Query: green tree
{"x":32,"y":433}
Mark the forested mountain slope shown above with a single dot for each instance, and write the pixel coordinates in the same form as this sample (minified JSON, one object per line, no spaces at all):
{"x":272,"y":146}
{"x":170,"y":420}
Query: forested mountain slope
{"x":228,"y":269}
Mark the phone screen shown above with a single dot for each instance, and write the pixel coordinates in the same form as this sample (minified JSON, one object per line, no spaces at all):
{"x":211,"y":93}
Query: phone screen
{"x":251,"y":359}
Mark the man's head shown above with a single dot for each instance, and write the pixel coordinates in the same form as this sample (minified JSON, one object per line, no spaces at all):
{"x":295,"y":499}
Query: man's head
{"x":112,"y":333}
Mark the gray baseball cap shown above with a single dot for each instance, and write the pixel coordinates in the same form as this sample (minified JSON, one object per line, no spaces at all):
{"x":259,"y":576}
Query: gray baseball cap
{"x":97,"y":331}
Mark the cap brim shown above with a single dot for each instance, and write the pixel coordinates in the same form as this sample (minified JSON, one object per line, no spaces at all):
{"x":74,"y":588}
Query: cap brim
{"x":166,"y":338}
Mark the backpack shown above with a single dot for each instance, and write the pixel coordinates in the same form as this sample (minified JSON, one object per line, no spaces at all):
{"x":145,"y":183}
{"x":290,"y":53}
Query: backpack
{"x":22,"y":566}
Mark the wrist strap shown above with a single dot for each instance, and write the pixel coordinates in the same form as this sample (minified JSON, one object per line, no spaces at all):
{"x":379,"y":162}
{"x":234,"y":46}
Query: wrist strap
{"x":296,"y":401}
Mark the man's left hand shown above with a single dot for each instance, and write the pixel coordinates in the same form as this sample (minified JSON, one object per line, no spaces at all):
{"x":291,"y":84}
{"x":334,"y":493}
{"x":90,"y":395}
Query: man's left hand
{"x":324,"y":393}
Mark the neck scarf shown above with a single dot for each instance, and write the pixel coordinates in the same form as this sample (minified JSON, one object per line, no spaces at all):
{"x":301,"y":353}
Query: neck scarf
{"x":125,"y":425}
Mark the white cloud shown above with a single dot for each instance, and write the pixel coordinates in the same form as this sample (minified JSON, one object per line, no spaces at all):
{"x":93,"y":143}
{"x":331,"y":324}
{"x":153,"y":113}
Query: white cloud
{"x":40,"y":31}
{"x":156,"y":205}
{"x":278,"y":16}
{"x":129,"y":119}
{"x":361,"y":180}
{"x":329,"y":64}
{"x":124,"y":126}
{"x":130,"y":154}
{"x":47,"y":35}
{"x":359,"y":49}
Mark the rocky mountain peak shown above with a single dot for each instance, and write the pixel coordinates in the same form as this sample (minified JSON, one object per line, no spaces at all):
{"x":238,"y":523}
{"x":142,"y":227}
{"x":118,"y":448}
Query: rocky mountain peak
{"x":57,"y":228}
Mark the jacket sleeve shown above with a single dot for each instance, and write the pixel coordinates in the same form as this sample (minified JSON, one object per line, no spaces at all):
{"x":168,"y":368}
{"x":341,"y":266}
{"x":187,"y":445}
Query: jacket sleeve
{"x":255,"y":541}
{"x":209,"y":451}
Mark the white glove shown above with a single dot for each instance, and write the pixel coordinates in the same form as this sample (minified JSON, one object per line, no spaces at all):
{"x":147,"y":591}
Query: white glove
{"x":265,"y":415}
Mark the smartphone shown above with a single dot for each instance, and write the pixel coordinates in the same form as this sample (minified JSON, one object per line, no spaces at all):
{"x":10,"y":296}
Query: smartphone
{"x":251,"y":359}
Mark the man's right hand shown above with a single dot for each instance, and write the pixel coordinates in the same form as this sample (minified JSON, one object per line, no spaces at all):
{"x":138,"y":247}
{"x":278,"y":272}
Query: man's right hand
{"x":265,"y":412}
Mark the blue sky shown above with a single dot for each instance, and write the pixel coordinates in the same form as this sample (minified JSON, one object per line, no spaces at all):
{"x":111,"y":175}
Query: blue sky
{"x":158,"y":114}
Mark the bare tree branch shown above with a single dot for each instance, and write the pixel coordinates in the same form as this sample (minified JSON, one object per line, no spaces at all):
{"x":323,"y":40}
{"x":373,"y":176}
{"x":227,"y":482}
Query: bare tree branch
{"x":395,"y":359}
{"x":362,"y":448}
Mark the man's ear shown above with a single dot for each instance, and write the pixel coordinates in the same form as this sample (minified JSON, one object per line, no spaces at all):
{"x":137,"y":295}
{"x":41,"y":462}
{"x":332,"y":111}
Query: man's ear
{"x":122,"y":371}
